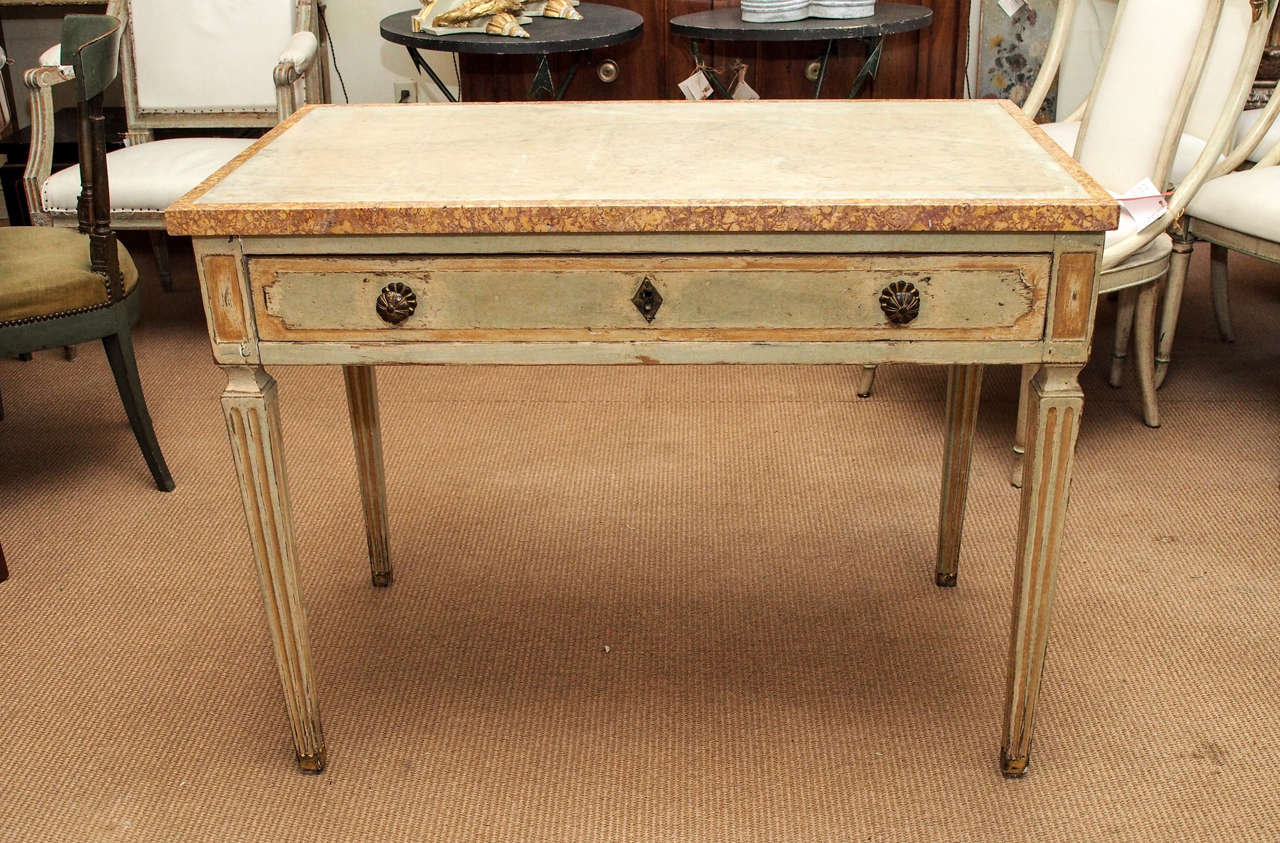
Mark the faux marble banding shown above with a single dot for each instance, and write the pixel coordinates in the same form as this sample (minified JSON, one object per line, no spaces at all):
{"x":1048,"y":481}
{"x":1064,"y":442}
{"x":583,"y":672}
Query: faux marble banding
{"x":649,"y":166}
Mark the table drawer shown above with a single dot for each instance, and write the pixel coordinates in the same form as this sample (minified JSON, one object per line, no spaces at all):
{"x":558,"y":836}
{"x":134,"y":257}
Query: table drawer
{"x":722,"y":297}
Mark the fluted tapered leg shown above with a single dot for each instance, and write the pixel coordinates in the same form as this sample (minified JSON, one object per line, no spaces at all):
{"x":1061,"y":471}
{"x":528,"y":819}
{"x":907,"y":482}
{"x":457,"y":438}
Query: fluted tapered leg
{"x":964,"y":386}
{"x":366,"y":432}
{"x":253,"y":424}
{"x":1053,"y":421}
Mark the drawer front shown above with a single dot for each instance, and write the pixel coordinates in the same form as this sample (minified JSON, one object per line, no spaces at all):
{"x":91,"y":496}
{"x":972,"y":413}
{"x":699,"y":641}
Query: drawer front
{"x":602,"y":298}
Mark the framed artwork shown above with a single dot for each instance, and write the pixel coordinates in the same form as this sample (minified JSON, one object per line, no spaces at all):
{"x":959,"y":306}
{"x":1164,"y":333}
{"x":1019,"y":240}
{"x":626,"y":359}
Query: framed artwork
{"x":1011,"y":48}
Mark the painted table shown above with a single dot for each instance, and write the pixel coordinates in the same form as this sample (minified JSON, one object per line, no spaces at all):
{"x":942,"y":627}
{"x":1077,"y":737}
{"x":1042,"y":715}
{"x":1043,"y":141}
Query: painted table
{"x":335,"y":240}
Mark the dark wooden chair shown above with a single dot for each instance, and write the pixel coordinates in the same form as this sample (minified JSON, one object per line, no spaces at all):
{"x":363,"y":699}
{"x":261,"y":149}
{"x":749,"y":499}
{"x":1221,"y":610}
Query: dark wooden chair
{"x":62,"y":286}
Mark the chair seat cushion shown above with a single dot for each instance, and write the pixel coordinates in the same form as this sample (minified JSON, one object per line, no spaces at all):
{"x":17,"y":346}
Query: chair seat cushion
{"x":1189,"y":147}
{"x":45,"y":271}
{"x":148,"y":176}
{"x":1247,"y":201}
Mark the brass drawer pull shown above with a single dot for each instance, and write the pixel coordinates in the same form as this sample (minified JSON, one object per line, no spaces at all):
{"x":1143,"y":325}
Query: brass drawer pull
{"x":900,"y":301}
{"x":607,"y":72}
{"x":396,"y":303}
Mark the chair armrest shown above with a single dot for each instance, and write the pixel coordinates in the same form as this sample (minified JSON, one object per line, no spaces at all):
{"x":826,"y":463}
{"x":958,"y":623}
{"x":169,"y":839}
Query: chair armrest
{"x":300,"y":52}
{"x":298,"y":57}
{"x":40,"y":81}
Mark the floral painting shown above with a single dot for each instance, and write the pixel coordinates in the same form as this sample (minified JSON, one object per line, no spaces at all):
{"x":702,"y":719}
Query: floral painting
{"x":1010,"y":50}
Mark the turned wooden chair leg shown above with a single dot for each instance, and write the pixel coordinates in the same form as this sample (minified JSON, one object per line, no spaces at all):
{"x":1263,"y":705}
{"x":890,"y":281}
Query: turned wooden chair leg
{"x":1144,"y":346}
{"x":1178,"y":264}
{"x":124,"y":367}
{"x":1221,"y":303}
{"x":866,"y":379}
{"x":1124,"y":327}
{"x":69,"y":352}
{"x":160,"y":248}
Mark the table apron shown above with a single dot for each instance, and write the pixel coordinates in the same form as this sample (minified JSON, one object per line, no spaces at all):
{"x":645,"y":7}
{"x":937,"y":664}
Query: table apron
{"x":1005,"y":303}
{"x":639,"y":353}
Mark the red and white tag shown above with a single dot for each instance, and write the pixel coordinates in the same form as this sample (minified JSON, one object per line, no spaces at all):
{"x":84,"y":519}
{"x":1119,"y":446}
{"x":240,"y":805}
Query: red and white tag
{"x":1143,"y":203}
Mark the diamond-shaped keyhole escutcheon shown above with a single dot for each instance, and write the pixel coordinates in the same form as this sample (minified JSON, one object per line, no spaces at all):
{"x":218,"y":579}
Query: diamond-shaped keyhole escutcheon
{"x":647,"y":299}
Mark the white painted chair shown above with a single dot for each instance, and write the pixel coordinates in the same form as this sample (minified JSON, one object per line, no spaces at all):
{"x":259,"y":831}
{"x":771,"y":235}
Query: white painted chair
{"x":1156,"y":62}
{"x":186,"y":65}
{"x":1206,"y":107}
{"x":1233,"y":211}
{"x":1140,"y":113}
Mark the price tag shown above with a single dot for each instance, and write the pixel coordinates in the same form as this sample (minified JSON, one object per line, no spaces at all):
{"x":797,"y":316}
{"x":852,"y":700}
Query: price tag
{"x":741,"y":90}
{"x":1012,"y":7}
{"x":696,"y":87}
{"x":1143,"y":203}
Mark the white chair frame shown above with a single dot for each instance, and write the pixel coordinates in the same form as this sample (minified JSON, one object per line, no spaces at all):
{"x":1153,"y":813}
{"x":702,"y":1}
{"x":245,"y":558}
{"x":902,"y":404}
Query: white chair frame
{"x":1221,"y":239}
{"x":297,"y":78}
{"x":1137,"y":282}
{"x":1123,"y":271}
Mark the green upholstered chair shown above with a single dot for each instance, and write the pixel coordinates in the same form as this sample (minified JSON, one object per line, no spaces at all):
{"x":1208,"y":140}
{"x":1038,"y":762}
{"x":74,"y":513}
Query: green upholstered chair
{"x":62,"y":286}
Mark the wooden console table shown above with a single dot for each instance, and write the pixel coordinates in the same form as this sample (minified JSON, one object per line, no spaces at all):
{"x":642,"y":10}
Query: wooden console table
{"x":724,"y":232}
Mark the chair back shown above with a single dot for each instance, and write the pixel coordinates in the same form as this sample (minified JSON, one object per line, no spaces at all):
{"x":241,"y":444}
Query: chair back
{"x":207,"y":63}
{"x":1220,"y":67}
{"x":1142,"y":94}
{"x":91,"y":45}
{"x":1086,"y":41}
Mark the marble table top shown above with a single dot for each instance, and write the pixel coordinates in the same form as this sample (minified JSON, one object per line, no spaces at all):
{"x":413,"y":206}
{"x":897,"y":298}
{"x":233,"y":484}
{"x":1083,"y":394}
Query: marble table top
{"x":757,"y":166}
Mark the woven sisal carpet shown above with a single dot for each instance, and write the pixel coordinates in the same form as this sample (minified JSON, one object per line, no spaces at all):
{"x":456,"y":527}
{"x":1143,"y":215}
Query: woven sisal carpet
{"x":641,"y":604}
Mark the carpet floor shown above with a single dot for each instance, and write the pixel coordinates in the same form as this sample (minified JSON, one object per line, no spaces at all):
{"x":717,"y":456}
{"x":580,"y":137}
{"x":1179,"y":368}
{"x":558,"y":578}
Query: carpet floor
{"x":644,"y":603}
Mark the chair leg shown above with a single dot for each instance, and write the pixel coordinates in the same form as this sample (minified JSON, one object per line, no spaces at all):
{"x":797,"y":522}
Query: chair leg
{"x":160,"y":248}
{"x":1,"y":406}
{"x":866,"y":379}
{"x":1221,"y":304}
{"x":4,"y":569}
{"x":119,"y":348}
{"x":69,"y":352}
{"x":1124,"y":327}
{"x":1020,"y":434}
{"x":1144,"y":344}
{"x":1172,"y":305}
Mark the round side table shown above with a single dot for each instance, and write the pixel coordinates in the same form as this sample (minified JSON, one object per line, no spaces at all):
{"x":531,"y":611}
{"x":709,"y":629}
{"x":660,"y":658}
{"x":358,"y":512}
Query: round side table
{"x":726,"y":24}
{"x":601,"y":26}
